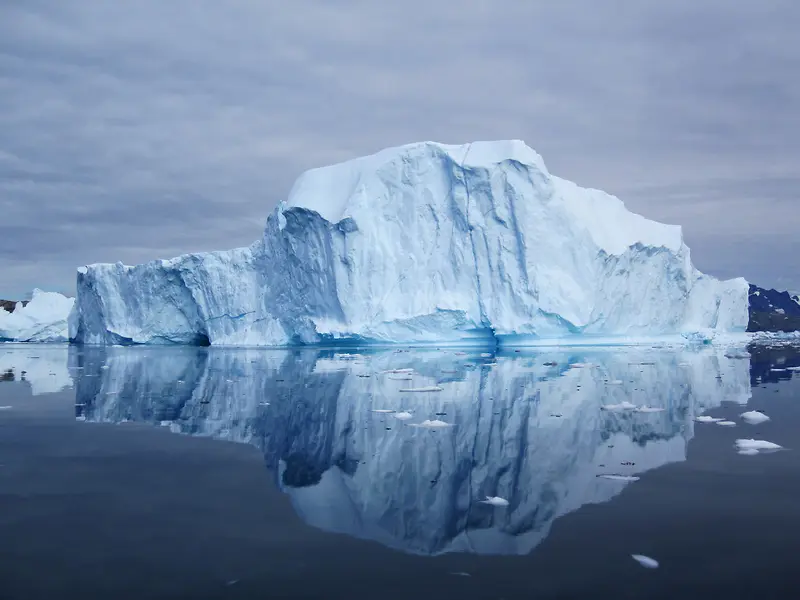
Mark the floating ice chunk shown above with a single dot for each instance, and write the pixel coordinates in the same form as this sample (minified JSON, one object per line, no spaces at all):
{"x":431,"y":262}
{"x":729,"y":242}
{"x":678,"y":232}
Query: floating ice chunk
{"x":495,"y":501}
{"x":748,"y":451}
{"x":615,"y":382}
{"x":401,"y":378}
{"x":757,"y":445}
{"x":80,"y":418}
{"x":754,"y":417}
{"x":398,"y":371}
{"x":617,"y":477}
{"x":726,"y":423}
{"x":403,"y":415}
{"x":649,"y":409}
{"x":5,"y":408}
{"x":486,"y":355}
{"x":382,"y":410}
{"x":793,"y":368}
{"x":429,"y":388}
{"x":435,"y":424}
{"x":645,"y":561}
{"x":707,"y":419}
{"x":105,"y":367}
{"x":778,"y":370}
{"x":624,"y":405}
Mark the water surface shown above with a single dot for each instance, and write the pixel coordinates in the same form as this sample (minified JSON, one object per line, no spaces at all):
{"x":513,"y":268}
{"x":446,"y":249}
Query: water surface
{"x":286,"y":482}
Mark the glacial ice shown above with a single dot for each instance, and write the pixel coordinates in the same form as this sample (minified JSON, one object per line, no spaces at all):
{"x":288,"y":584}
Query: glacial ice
{"x":422,"y":243}
{"x":347,"y":469}
{"x":43,"y":319}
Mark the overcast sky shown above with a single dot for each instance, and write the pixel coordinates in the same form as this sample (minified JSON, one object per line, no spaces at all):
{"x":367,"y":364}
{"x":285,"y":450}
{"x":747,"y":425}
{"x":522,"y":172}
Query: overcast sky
{"x":142,"y":129}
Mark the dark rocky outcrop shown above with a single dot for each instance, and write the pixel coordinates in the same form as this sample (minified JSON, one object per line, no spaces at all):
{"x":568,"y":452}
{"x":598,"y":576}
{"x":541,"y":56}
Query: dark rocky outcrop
{"x":771,"y":310}
{"x":10,"y":305}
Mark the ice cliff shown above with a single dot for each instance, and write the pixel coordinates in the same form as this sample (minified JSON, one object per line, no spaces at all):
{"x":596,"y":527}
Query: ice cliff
{"x":422,"y":243}
{"x":529,"y":427}
{"x":43,"y":319}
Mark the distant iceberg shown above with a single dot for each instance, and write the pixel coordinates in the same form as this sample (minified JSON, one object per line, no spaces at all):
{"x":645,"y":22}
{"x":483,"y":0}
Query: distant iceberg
{"x":43,"y":319}
{"x":424,"y":243}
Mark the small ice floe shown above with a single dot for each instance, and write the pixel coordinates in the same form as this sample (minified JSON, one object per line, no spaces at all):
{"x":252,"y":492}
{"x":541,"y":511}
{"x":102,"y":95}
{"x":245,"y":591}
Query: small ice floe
{"x":707,"y":419}
{"x":624,"y":405}
{"x":778,"y":370}
{"x":263,"y":403}
{"x":435,"y":424}
{"x":578,"y":365}
{"x":645,"y":561}
{"x":618,"y":477}
{"x":684,"y":364}
{"x":614,"y":382}
{"x":401,"y":377}
{"x":80,"y":418}
{"x":165,"y":423}
{"x":5,"y":408}
{"x":427,"y":388}
{"x":724,"y":423}
{"x":793,"y":368}
{"x":486,"y":355}
{"x":751,"y":446}
{"x":383,"y":410}
{"x":104,"y":367}
{"x":754,"y":417}
{"x":403,"y":415}
{"x":399,"y":371}
{"x":495,"y":501}
{"x":180,"y":380}
{"x":649,"y":409}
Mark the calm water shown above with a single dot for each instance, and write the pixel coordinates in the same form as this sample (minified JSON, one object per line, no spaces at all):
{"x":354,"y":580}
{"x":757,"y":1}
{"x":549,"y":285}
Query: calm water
{"x":211,"y":473}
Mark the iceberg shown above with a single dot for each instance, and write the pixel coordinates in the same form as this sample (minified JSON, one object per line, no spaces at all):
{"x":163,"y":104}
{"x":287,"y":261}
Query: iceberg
{"x":43,"y":319}
{"x":423,"y":243}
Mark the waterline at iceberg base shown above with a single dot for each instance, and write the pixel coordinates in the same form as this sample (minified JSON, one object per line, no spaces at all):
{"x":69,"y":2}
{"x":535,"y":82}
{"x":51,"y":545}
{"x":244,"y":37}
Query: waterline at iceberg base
{"x":424,"y":243}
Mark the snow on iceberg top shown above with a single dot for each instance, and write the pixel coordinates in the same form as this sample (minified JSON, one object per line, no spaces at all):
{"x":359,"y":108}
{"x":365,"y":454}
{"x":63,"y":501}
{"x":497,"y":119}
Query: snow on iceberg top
{"x":338,"y":191}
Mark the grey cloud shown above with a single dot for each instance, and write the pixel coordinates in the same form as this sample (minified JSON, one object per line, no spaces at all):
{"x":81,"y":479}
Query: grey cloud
{"x":134,"y":130}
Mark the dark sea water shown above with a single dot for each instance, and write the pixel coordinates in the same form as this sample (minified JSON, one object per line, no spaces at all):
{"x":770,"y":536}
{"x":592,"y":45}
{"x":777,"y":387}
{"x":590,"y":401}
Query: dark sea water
{"x":212,"y":473}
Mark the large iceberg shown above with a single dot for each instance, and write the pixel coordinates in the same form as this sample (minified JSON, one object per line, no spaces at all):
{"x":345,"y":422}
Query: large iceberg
{"x":422,"y":243}
{"x":43,"y":319}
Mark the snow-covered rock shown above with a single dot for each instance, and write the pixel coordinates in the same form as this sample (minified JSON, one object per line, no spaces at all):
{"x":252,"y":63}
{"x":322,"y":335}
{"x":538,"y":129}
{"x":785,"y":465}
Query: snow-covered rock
{"x":43,"y":319}
{"x":520,"y":429}
{"x":422,"y":243}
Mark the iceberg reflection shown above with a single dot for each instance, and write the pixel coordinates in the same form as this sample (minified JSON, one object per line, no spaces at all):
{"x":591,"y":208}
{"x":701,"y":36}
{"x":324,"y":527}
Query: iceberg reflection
{"x":529,"y":427}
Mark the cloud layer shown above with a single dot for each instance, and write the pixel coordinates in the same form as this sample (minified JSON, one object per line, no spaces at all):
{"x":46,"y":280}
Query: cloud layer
{"x":141,"y":129}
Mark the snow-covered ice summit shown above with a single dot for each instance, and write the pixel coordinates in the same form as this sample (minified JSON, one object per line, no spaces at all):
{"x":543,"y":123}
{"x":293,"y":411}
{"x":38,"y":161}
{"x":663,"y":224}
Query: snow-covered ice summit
{"x":421,"y":243}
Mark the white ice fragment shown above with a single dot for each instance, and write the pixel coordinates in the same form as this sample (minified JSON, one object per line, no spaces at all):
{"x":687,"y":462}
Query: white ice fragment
{"x":617,"y":477}
{"x":495,"y":501}
{"x":435,"y":424}
{"x":5,"y":408}
{"x":707,"y":419}
{"x":615,"y":382}
{"x":649,"y":409}
{"x":403,"y":415}
{"x":748,"y":451}
{"x":399,"y":371}
{"x":105,"y":367}
{"x":382,"y":410}
{"x":754,"y":417}
{"x":624,"y":405}
{"x":645,"y":561}
{"x":429,"y":388}
{"x":725,"y":423}
{"x":486,"y":355}
{"x":401,"y":378}
{"x":757,"y":445}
